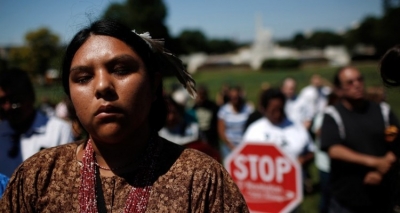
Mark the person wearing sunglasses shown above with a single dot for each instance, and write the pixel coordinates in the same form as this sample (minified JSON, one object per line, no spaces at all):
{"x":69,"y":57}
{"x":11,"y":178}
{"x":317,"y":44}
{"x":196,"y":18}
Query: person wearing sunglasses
{"x":360,"y":137}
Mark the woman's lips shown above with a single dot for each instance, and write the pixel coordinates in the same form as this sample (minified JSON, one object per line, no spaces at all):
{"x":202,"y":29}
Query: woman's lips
{"x":105,"y":111}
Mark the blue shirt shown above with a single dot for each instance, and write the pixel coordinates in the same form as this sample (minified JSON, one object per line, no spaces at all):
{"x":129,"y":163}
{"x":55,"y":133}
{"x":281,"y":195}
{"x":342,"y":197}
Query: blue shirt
{"x":234,"y":121}
{"x":3,"y":183}
{"x":45,"y":132}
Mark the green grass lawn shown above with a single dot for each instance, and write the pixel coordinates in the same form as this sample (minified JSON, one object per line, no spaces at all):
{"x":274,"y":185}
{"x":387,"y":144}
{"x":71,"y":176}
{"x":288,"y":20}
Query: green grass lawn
{"x":251,"y":82}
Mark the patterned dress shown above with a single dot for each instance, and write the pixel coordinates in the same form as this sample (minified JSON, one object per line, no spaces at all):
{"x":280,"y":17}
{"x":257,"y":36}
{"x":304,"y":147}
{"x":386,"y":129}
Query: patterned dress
{"x":187,"y":181}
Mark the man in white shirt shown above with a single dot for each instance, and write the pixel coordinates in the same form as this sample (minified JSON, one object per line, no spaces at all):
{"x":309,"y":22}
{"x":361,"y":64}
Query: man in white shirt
{"x":312,"y":99}
{"x":23,"y":129}
{"x":288,"y":88}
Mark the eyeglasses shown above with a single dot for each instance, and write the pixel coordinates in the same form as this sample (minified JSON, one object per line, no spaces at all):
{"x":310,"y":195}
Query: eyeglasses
{"x":14,"y":104}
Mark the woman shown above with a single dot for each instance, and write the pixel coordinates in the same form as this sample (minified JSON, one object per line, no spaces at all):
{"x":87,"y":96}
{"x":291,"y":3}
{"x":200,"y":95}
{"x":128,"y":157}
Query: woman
{"x":275,"y":128}
{"x":232,"y":118}
{"x":178,"y":128}
{"x":113,"y":78}
{"x":183,"y":131}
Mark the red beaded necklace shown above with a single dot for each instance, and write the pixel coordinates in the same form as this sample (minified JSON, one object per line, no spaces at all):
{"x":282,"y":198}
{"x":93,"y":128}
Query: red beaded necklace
{"x":138,"y":196}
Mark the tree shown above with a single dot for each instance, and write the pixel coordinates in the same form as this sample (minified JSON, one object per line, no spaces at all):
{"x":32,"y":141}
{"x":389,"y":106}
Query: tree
{"x":21,"y":57}
{"x":141,"y":16}
{"x":117,"y":12}
{"x":382,"y":33}
{"x":299,"y":41}
{"x":322,"y":39}
{"x":192,"y":41}
{"x":319,"y":39}
{"x":388,"y":33}
{"x":221,"y":46}
{"x":43,"y":47}
{"x":367,"y":31}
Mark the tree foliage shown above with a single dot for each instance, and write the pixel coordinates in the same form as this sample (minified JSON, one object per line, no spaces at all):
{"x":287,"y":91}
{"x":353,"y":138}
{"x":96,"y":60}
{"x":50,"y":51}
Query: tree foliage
{"x":379,"y":32}
{"x":141,"y":16}
{"x":221,"y":46}
{"x":21,"y":57}
{"x":388,"y":32}
{"x":318,"y":39}
{"x":149,"y":15}
{"x":192,"y":41}
{"x":41,"y":49}
{"x":118,"y":12}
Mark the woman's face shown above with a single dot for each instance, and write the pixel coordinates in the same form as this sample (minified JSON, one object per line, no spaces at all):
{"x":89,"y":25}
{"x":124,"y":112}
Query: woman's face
{"x":234,"y":96}
{"x":110,"y":89}
{"x":173,"y":116}
{"x":274,"y":111}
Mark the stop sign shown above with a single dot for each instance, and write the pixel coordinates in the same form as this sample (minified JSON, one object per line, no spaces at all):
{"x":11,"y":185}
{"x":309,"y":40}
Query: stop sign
{"x":269,"y":180}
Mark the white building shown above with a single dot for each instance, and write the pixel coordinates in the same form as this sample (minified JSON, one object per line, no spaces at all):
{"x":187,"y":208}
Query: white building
{"x":264,"y":48}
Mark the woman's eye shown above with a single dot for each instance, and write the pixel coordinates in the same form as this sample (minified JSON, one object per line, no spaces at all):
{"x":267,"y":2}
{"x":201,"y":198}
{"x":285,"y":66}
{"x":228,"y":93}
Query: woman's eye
{"x":121,"y":70}
{"x":82,"y":79}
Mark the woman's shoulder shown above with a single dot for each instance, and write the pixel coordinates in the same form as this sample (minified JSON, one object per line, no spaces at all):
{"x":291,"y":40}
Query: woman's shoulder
{"x":198,"y":159}
{"x":46,"y":159}
{"x":224,"y":108}
{"x":57,"y":151}
{"x":187,"y":158}
{"x":191,"y":173}
{"x":249,"y":107}
{"x":261,"y":124}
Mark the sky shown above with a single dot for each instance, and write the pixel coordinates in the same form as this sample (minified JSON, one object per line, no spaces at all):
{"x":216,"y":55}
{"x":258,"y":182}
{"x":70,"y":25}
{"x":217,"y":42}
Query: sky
{"x":231,"y":19}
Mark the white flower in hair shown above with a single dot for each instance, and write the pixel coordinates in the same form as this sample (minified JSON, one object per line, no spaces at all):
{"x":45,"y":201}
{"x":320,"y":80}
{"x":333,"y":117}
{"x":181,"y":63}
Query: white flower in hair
{"x":145,"y":36}
{"x":170,"y":61}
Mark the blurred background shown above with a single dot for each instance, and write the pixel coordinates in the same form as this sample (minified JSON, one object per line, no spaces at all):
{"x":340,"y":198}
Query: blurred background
{"x":254,"y":44}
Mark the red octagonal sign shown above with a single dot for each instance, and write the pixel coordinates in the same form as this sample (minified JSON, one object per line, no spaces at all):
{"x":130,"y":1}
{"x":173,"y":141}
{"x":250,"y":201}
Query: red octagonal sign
{"x":269,"y":180}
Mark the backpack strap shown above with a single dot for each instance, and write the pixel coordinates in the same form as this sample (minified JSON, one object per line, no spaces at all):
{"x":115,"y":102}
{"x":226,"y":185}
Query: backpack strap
{"x":385,"y":109}
{"x":331,"y":110}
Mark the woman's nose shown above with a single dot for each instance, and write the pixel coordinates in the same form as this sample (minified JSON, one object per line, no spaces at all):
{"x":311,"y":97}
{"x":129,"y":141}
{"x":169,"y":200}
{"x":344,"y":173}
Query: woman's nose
{"x":104,"y":86}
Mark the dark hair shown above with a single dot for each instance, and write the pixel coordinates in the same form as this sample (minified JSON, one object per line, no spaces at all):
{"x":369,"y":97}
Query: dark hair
{"x":235,"y":87}
{"x":390,"y":67}
{"x":336,"y":80}
{"x":171,"y":102}
{"x":158,"y":111}
{"x":17,"y":84}
{"x":269,"y":94}
{"x":180,"y":109}
{"x":203,"y":89}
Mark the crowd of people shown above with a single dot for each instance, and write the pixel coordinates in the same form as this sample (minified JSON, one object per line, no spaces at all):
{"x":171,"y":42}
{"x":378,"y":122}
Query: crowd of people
{"x":328,"y":124}
{"x":346,"y":130}
{"x":131,"y":138}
